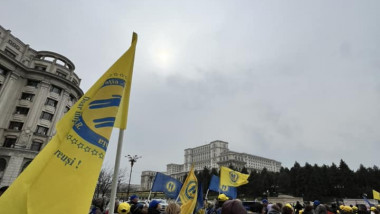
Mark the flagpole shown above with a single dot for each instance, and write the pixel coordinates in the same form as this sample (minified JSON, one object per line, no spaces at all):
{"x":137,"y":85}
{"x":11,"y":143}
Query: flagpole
{"x":207,"y":194}
{"x":116,"y":172}
{"x":149,"y":195}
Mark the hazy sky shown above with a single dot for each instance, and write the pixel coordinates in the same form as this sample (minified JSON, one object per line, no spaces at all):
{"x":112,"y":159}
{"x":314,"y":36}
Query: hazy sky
{"x":287,"y":80}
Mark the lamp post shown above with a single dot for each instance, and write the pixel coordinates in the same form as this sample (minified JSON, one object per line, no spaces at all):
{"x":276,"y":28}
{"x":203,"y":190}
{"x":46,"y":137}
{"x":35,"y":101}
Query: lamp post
{"x":133,"y":160}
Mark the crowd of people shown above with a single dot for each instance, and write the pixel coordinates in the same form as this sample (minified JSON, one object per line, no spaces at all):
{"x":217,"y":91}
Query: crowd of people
{"x":224,"y":205}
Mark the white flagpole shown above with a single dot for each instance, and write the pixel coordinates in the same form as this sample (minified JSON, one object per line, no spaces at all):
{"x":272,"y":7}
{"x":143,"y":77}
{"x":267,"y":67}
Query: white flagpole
{"x":116,"y":172}
{"x":149,"y":195}
{"x":207,"y":194}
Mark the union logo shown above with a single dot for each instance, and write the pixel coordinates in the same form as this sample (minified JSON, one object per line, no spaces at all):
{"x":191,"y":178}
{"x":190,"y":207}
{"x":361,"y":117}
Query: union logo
{"x":170,"y":186}
{"x":191,"y":190}
{"x":224,"y":188}
{"x":233,"y":176}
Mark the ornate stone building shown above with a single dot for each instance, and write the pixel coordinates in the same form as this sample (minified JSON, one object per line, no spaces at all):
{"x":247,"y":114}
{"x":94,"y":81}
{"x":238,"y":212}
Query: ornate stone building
{"x":214,"y":155}
{"x":36,"y":89}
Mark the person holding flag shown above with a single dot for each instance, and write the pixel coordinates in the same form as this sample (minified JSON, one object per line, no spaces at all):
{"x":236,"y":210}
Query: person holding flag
{"x":189,"y":192}
{"x":63,"y":176}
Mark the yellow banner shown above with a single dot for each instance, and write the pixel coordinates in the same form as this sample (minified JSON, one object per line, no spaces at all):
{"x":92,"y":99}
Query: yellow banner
{"x":376,"y":195}
{"x":189,"y":193}
{"x":63,"y":176}
{"x":229,"y":177}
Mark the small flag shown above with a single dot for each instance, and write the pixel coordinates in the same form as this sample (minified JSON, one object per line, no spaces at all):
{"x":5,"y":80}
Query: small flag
{"x":189,"y":193}
{"x":63,"y":176}
{"x":229,"y":177}
{"x":166,"y":184}
{"x":376,"y":195}
{"x":227,"y":190}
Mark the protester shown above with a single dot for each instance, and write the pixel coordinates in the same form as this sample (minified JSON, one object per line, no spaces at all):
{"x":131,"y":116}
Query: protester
{"x":218,"y":207}
{"x":173,"y":208}
{"x":298,"y":207}
{"x":316,"y":203}
{"x":274,"y":209}
{"x":154,"y":207}
{"x":265,"y":205}
{"x":233,"y":207}
{"x":123,"y":208}
{"x":308,"y":209}
{"x":321,"y":209}
{"x":97,"y":206}
{"x":257,"y":208}
{"x":287,"y":209}
{"x":136,"y":207}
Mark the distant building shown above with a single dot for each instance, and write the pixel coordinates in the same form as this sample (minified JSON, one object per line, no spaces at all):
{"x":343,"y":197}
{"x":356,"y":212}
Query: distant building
{"x":36,"y":89}
{"x":214,"y":155}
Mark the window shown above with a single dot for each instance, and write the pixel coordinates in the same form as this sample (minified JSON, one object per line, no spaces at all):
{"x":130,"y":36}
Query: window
{"x":9,"y":142}
{"x":72,"y":98}
{"x":21,"y":110}
{"x":42,"y":130}
{"x":36,"y":146}
{"x":15,"y":125}
{"x":61,"y":74}
{"x":55,"y":89}
{"x":3,"y":71}
{"x":40,"y":67}
{"x":26,"y":164}
{"x":66,"y":109}
{"x":46,"y":116}
{"x":33,"y":83}
{"x":51,"y":102}
{"x":27,"y":96}
{"x":3,"y":166}
{"x":10,"y":53}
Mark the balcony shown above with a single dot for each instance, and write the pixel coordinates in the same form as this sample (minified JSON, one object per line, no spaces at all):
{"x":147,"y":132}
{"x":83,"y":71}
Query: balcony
{"x":45,"y":122}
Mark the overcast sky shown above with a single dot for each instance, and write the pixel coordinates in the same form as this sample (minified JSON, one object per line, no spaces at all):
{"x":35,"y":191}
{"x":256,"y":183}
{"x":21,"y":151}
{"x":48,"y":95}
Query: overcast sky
{"x":287,"y":80}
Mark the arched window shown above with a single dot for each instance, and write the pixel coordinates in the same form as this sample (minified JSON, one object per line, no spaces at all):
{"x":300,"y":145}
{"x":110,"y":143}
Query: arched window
{"x":3,"y":166}
{"x":26,"y":164}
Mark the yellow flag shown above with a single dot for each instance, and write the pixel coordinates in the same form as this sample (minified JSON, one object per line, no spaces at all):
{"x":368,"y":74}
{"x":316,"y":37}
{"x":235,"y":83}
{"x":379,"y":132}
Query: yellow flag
{"x":189,"y":193}
{"x":229,"y":177}
{"x":63,"y":176}
{"x":376,"y":194}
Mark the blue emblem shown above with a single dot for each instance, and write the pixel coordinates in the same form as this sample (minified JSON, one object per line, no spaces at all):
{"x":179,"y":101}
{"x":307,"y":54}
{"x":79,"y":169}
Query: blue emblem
{"x":191,"y":189}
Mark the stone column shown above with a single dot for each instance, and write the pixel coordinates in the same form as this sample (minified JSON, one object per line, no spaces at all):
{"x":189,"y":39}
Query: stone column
{"x":59,"y":111}
{"x":8,"y":93}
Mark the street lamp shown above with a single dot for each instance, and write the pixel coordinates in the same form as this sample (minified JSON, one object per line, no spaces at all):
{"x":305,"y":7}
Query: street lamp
{"x":133,"y":160}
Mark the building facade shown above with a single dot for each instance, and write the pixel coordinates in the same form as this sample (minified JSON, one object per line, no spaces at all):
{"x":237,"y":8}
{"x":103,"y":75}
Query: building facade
{"x":36,"y":89}
{"x":214,"y":155}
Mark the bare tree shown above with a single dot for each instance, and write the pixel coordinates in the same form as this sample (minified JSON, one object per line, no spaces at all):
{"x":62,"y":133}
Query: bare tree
{"x":103,"y":187}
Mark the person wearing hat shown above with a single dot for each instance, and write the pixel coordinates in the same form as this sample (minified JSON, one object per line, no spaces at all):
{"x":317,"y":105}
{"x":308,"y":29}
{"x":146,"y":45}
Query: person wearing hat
{"x":123,"y":208}
{"x":265,"y":205}
{"x":154,"y":207}
{"x":221,"y":199}
{"x":136,"y":207}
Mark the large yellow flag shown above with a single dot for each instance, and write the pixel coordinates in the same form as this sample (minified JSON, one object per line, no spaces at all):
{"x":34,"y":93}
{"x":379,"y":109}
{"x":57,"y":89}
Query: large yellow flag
{"x":63,"y":176}
{"x":189,"y":193}
{"x":376,"y":194}
{"x":229,"y":177}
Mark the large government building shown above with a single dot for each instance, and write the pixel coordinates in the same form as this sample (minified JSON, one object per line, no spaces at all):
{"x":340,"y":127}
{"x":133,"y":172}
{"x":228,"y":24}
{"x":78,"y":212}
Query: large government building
{"x":36,"y":89}
{"x":212,"y":155}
